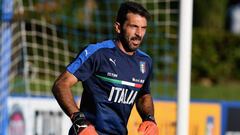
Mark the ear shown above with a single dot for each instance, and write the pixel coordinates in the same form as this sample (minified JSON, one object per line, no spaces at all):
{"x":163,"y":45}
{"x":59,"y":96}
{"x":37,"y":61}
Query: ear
{"x":117,"y":27}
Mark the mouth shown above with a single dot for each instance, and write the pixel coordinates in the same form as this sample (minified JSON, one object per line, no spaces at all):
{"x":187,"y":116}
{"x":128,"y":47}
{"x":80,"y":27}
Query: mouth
{"x":136,"y":40}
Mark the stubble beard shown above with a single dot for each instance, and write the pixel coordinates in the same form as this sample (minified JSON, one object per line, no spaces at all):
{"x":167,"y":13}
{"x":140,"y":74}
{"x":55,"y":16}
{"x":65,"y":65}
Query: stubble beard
{"x":128,"y":42}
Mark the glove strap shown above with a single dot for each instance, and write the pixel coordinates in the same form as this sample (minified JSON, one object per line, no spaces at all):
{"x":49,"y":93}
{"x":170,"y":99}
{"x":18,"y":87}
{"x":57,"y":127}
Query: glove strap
{"x":79,"y":122}
{"x":79,"y":119}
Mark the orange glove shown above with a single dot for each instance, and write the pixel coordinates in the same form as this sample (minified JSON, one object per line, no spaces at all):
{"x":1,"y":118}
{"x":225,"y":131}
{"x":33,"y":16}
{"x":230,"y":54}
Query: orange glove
{"x":89,"y":130}
{"x":148,"y":128}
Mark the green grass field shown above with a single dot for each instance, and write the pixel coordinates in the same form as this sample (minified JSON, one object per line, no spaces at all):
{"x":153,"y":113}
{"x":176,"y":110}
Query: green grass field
{"x":229,"y":91}
{"x":223,"y":91}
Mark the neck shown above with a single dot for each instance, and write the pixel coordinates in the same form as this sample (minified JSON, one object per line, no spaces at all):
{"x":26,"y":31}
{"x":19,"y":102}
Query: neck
{"x":123,"y":48}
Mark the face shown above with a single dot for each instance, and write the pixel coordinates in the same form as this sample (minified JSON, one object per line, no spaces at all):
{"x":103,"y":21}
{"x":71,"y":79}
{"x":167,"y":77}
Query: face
{"x":132,"y":32}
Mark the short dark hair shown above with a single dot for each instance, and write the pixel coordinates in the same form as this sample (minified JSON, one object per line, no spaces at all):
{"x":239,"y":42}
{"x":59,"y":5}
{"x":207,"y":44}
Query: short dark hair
{"x":131,"y":7}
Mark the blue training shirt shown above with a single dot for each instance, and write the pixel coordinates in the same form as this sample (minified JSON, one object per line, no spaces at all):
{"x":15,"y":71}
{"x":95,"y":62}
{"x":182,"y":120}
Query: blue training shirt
{"x":111,"y":80}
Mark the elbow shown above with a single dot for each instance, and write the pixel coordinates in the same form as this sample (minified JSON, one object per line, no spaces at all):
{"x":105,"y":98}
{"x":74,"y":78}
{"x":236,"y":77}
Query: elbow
{"x":59,"y":86}
{"x":56,"y":87}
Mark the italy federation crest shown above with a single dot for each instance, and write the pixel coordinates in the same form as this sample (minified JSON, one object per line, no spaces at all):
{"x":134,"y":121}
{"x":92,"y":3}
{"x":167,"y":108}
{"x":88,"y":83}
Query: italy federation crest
{"x":142,"y":66}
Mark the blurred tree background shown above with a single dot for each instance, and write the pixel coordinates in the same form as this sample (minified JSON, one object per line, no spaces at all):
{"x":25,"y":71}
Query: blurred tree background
{"x":215,"y":51}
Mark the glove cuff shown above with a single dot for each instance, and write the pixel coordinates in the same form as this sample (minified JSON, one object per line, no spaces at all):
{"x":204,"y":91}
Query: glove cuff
{"x":149,"y":118}
{"x":78,"y":117}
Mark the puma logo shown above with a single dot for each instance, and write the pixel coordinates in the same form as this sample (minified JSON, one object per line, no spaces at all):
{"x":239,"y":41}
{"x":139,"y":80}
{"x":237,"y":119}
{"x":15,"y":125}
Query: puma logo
{"x":86,"y":52}
{"x":113,"y":61}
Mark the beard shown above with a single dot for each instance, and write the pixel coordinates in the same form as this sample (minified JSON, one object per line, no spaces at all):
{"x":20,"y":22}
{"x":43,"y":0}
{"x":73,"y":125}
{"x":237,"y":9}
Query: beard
{"x":130,"y":44}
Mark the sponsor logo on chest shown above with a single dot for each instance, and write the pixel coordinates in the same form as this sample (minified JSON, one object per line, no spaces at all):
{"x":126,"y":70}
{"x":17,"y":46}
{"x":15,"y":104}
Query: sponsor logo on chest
{"x":138,"y":80}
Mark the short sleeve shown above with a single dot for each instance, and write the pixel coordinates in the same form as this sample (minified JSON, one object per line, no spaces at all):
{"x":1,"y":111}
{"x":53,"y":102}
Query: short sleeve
{"x":84,"y":65}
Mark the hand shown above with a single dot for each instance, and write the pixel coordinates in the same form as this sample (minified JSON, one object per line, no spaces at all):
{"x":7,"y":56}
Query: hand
{"x":81,"y":126}
{"x":148,"y":128}
{"x":89,"y":130}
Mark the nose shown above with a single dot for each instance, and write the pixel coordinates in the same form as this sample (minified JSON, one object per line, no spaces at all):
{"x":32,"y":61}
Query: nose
{"x":139,"y":32}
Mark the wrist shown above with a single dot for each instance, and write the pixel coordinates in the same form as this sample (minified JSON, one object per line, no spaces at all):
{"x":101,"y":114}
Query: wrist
{"x":72,"y":116}
{"x":77,"y":116}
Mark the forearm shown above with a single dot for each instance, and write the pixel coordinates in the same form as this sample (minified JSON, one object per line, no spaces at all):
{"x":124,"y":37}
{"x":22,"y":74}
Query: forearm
{"x":145,"y":106}
{"x":65,"y":99}
{"x":63,"y":94}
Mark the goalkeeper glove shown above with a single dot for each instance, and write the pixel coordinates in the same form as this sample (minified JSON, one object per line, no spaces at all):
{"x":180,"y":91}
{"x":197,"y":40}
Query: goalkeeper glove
{"x":81,"y":126}
{"x":148,"y":126}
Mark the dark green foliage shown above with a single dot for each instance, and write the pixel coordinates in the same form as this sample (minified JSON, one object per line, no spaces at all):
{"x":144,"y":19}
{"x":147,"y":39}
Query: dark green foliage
{"x":215,"y":55}
{"x":215,"y":51}
{"x":210,"y":13}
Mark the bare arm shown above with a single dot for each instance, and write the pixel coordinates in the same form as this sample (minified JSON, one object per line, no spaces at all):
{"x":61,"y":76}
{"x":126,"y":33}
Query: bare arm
{"x":63,"y":94}
{"x":145,"y":106}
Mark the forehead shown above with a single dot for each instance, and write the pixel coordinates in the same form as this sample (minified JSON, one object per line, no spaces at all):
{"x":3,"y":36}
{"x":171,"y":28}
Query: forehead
{"x":136,"y":18}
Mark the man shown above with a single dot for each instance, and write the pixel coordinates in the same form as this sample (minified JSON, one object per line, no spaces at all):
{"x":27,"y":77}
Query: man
{"x":115,"y":74}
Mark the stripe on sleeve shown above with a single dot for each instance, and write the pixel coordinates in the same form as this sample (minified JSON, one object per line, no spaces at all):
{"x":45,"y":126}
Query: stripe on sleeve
{"x":86,"y":53}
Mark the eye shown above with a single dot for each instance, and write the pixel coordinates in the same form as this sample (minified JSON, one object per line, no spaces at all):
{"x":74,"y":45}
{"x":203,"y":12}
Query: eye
{"x":133,"y":26}
{"x":145,"y":27}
